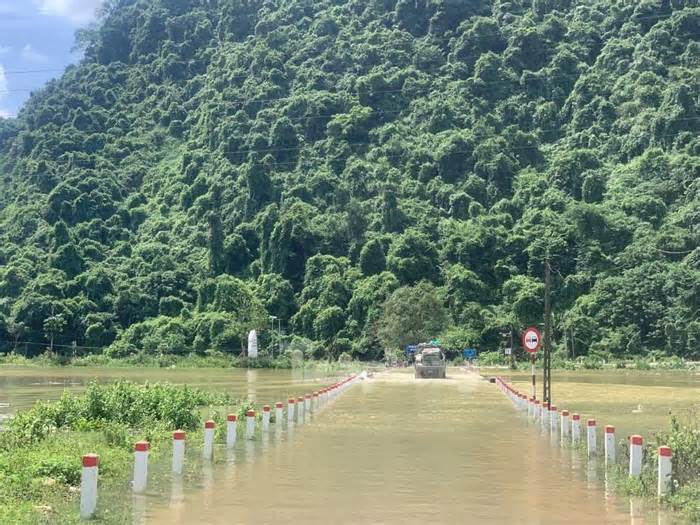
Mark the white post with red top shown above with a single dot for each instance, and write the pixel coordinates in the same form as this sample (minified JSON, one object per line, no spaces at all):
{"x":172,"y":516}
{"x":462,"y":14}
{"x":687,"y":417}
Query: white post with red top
{"x":266,"y":418}
{"x":178,"y":451}
{"x":208,"y":450}
{"x":307,"y":403}
{"x":279,"y":408}
{"x":575,"y":429}
{"x":635,"y":456}
{"x":609,"y":445}
{"x":250,"y":424}
{"x":314,"y":402}
{"x":290,"y":410}
{"x":553,"y":421}
{"x":300,"y":409}
{"x":591,"y":435}
{"x":565,"y":426}
{"x":88,"y":486}
{"x":231,"y":424}
{"x":665,"y":469}
{"x":138,"y":485}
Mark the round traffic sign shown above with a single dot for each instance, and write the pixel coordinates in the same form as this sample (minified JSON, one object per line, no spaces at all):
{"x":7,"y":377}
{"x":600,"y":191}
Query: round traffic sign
{"x":531,"y":340}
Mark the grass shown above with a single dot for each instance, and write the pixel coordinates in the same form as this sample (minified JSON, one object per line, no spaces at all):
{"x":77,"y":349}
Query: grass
{"x":683,"y":437}
{"x":41,"y":448}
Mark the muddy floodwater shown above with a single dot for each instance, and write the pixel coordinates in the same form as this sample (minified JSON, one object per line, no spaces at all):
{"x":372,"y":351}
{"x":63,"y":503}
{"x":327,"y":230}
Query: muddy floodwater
{"x":394,"y":449}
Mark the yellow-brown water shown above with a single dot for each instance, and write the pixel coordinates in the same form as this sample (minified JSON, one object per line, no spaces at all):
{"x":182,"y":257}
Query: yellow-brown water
{"x":398,"y":450}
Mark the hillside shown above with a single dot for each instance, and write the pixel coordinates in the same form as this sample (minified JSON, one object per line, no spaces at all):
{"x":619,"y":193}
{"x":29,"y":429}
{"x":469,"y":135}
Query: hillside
{"x":213,"y":162}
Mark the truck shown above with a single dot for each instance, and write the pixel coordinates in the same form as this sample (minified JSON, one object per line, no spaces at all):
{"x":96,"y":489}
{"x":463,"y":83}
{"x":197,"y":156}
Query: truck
{"x":430,"y":362}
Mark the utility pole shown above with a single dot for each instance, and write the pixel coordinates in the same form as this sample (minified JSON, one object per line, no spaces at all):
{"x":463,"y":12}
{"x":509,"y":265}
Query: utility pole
{"x":547,"y":386}
{"x":272,"y":331}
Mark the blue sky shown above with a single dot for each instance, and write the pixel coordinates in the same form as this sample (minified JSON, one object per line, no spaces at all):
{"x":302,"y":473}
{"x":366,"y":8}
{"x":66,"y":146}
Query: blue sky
{"x":36,"y":38}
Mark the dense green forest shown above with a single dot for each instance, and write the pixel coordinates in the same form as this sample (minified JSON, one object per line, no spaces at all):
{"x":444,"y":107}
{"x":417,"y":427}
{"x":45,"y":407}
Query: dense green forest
{"x":213,"y":162}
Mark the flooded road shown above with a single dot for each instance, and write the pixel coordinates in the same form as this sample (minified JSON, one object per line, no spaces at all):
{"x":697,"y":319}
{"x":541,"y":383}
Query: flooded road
{"x":394,"y":450}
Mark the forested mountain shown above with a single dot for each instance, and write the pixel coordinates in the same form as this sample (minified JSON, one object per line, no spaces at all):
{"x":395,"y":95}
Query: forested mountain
{"x":213,"y":162}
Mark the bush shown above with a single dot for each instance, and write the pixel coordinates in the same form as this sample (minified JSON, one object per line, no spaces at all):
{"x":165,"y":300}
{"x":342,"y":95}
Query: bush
{"x":491,"y":359}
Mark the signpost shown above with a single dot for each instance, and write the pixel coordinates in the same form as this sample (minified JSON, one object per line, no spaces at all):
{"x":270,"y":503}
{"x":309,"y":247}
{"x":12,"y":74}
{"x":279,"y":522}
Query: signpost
{"x":531,"y":340}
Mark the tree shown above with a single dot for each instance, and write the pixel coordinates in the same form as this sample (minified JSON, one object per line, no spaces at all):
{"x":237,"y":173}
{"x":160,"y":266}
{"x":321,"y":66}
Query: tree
{"x":413,"y":257}
{"x":53,"y":327}
{"x":372,"y":259}
{"x":413,"y":314}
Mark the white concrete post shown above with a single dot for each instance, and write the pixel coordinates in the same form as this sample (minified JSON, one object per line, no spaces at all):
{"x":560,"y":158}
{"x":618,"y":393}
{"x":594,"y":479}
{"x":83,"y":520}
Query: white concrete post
{"x":307,"y":403}
{"x":575,"y":429}
{"x":536,"y":409}
{"x":635,"y":456}
{"x":300,"y":409}
{"x":290,"y":410}
{"x":553,"y":420}
{"x":250,"y":424}
{"x":278,"y":412}
{"x":208,"y":450}
{"x":266,"y":418}
{"x":664,"y":485}
{"x":529,"y":408}
{"x":609,"y":445}
{"x":138,"y":485}
{"x":88,"y":486}
{"x":565,"y":426}
{"x":231,"y":424}
{"x":178,"y":451}
{"x":314,"y":402}
{"x":591,"y":437}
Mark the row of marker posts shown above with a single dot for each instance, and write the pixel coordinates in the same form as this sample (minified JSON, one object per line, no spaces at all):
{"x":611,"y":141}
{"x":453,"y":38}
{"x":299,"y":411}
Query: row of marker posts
{"x":567,"y":427}
{"x":308,"y":404}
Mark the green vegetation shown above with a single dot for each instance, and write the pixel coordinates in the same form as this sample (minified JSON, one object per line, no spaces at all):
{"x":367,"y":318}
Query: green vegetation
{"x":684,"y":439}
{"x":41,"y":448}
{"x":213,"y":162}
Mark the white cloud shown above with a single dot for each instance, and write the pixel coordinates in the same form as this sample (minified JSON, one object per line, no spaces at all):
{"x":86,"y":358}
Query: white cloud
{"x":32,"y":55}
{"x":5,"y":49}
{"x":77,"y":11}
{"x":5,"y":114}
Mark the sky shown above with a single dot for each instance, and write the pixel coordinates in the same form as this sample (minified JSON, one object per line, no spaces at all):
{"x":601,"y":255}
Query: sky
{"x":36,"y":38}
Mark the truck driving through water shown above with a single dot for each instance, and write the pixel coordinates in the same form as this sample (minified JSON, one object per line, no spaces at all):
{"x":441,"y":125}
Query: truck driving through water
{"x":430,"y":362}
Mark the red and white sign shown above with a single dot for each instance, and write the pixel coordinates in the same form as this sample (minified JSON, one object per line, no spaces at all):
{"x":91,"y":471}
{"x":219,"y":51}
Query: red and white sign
{"x":531,"y":339}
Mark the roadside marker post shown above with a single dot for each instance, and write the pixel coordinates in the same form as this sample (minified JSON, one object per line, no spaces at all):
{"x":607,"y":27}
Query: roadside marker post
{"x":553,"y":421}
{"x":591,"y":435}
{"x":250,"y":424}
{"x":665,"y":468}
{"x":279,"y":408}
{"x":636,"y":455}
{"x":565,"y":427}
{"x":575,"y":429}
{"x":140,"y":480}
{"x":231,"y":424}
{"x":88,"y":486}
{"x":178,"y":451}
{"x":208,"y":450}
{"x":609,"y":445}
{"x":266,"y":418}
{"x":290,"y":410}
{"x":300,"y":409}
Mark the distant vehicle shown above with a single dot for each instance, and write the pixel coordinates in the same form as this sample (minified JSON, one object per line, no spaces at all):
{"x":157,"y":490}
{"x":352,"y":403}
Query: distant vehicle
{"x":430,"y":362}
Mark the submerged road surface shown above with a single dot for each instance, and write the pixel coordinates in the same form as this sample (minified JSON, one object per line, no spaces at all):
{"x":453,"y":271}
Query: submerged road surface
{"x":398,"y":450}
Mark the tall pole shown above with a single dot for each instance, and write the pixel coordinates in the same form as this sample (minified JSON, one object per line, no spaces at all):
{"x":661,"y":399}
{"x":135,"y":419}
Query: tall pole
{"x":532,"y":369}
{"x":547,"y":387}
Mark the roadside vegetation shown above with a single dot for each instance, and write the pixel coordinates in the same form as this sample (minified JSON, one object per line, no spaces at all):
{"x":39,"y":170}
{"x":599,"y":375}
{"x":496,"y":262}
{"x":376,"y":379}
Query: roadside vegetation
{"x":41,"y":448}
{"x":683,"y":437}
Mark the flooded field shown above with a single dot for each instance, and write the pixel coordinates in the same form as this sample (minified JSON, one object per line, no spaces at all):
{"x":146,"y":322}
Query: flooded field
{"x":397,"y":450}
